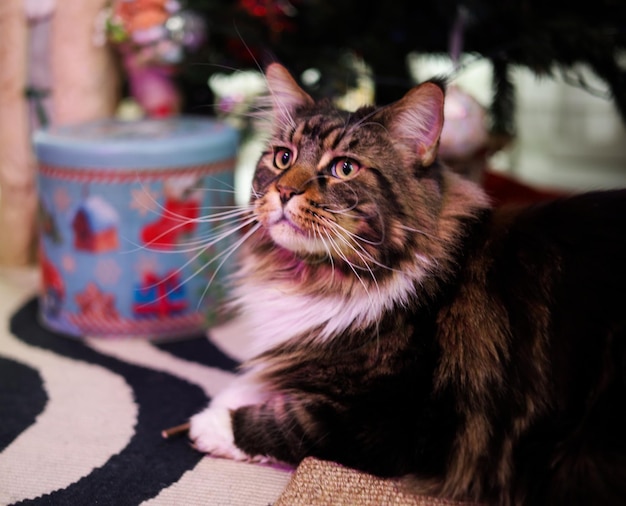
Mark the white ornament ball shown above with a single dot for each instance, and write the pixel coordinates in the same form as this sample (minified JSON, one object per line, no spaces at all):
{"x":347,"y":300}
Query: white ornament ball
{"x":465,"y":126}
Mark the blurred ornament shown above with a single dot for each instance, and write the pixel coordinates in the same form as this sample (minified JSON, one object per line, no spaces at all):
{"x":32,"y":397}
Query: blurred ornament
{"x":188,"y":29}
{"x":464,"y":143}
{"x":465,"y":125}
{"x":153,"y":88}
{"x":275,"y":12}
{"x":152,"y":37}
{"x":235,"y":95}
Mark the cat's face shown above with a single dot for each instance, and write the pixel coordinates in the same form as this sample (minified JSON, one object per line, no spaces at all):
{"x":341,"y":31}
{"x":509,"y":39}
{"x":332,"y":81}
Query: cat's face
{"x":353,"y":189}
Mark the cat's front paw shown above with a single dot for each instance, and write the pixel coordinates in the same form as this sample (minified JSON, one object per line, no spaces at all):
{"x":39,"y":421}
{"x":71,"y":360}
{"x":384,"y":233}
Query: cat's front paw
{"x":211,"y":431}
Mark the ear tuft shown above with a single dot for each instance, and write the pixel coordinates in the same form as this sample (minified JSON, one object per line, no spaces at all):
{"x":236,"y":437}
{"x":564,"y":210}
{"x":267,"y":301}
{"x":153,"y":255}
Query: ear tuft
{"x":285,"y":93}
{"x":416,"y":120}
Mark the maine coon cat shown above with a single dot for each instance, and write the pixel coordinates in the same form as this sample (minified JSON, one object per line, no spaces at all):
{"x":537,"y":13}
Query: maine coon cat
{"x":406,"y":328}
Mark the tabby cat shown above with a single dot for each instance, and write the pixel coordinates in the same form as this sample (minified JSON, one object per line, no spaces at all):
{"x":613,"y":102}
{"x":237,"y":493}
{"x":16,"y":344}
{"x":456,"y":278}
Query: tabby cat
{"x":406,"y":328}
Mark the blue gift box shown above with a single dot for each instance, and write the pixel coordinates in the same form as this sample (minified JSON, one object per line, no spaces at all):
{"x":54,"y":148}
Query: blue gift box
{"x":121,"y":220}
{"x":157,"y":298}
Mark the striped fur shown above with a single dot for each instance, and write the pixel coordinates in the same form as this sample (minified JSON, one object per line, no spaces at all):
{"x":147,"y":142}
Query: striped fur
{"x":405,"y":328}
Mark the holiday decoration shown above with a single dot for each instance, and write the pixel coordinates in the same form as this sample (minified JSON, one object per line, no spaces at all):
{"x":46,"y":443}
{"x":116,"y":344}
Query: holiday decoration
{"x":178,"y":215}
{"x":95,"y":226}
{"x":464,"y":143}
{"x":276,"y":14}
{"x":93,"y":302}
{"x":549,"y":38}
{"x":465,"y":127}
{"x":125,"y":250}
{"x":160,"y":296}
{"x":152,"y":36}
{"x":178,"y":220}
{"x":235,"y":95}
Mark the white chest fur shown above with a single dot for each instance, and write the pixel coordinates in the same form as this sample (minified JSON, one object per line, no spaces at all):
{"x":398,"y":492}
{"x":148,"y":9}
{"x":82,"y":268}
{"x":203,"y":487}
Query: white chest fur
{"x":272,"y":314}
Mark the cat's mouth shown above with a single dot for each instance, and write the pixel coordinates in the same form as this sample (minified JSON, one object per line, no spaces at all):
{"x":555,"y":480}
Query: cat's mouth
{"x":286,"y":221}
{"x":286,"y":232}
{"x":299,"y":228}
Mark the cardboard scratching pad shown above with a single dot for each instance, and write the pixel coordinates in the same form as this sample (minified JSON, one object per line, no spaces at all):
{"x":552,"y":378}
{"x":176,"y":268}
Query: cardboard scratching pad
{"x":317,"y":483}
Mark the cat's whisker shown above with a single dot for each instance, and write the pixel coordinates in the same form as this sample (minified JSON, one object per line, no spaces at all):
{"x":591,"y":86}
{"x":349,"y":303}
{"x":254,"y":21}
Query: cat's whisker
{"x":346,"y":123}
{"x":343,"y":255}
{"x":158,"y":240}
{"x":220,"y":216}
{"x":214,"y":238}
{"x":157,"y":206}
{"x":357,"y":243}
{"x":268,"y":101}
{"x":365,"y":287}
{"x":201,"y":249}
{"x":217,"y":190}
{"x":357,"y":216}
{"x":364,"y":121}
{"x":201,"y":242}
{"x":417,"y":231}
{"x":223,"y":219}
{"x":376,"y":124}
{"x":226,"y":210}
{"x":285,"y":117}
{"x":227,"y":253}
{"x":234,"y":207}
{"x":220,"y":224}
{"x":255,"y":194}
{"x":364,"y":257}
{"x":178,"y":221}
{"x":320,"y":236}
{"x":345,"y":211}
{"x":225,"y":186}
{"x":352,"y":267}
{"x":357,"y":237}
{"x":333,"y":245}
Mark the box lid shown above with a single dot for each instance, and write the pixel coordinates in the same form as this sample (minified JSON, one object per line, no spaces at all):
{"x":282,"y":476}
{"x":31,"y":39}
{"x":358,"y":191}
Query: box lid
{"x":150,"y":143}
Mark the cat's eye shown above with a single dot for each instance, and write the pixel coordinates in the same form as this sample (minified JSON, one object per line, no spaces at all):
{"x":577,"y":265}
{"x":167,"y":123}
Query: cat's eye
{"x":344,"y":168}
{"x":283,"y":158}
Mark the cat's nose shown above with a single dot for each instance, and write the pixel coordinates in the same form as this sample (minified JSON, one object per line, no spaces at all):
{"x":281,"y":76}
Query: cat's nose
{"x":287,"y":192}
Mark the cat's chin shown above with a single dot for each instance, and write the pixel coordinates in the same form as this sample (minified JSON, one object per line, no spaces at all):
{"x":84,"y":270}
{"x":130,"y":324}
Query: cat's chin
{"x":289,"y":237}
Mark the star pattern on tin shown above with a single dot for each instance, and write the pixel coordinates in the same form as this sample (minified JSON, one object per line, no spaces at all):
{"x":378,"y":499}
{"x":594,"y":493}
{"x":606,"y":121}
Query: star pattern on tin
{"x":96,"y":303}
{"x":69,"y":263}
{"x":62,"y":199}
{"x":144,"y":200}
{"x":108,"y":271}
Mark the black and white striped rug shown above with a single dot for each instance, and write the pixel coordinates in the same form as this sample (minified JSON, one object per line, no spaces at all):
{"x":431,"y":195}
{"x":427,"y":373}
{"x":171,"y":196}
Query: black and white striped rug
{"x":80,"y":421}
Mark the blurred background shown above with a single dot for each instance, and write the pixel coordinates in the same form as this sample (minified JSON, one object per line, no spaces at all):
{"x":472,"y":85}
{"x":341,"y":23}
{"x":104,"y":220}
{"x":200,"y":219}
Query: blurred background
{"x":550,"y":75}
{"x":536,"y":89}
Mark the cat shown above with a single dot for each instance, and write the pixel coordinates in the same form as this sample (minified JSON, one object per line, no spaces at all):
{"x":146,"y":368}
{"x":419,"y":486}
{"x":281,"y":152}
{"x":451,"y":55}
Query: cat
{"x":406,"y":328}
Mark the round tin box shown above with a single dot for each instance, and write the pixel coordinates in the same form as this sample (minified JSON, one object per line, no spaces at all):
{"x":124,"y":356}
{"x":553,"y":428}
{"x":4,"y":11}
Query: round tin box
{"x":126,"y":245}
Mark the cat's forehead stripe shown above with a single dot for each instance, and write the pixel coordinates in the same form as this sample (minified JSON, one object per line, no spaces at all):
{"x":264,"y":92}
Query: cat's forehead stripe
{"x":296,"y":135}
{"x":334,"y":136}
{"x":319,"y":128}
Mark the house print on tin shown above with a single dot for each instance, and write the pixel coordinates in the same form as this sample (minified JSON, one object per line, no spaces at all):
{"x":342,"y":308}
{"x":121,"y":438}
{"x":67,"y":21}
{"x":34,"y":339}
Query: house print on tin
{"x":95,"y":226}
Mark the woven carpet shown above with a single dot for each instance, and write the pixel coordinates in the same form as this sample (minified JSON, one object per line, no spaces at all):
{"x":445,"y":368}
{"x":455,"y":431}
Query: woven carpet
{"x":80,"y":421}
{"x":80,"y":424}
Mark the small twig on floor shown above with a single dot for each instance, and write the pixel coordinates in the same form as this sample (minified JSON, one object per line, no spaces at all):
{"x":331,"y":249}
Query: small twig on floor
{"x":179,"y":430}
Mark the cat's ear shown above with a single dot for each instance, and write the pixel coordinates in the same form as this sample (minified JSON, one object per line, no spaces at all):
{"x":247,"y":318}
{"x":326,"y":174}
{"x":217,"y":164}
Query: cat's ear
{"x":285,"y":93}
{"x":416,"y":121}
